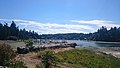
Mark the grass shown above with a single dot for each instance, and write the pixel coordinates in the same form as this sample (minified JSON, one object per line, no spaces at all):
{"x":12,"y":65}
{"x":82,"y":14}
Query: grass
{"x":82,"y":58}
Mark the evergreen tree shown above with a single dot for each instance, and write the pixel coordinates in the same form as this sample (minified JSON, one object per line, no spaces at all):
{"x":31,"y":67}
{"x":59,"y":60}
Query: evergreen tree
{"x":12,"y":31}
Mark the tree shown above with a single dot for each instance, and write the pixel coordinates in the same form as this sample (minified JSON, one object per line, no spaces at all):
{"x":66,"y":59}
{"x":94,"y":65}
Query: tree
{"x":1,"y":31}
{"x":6,"y":31}
{"x":12,"y":32}
{"x":13,"y":29}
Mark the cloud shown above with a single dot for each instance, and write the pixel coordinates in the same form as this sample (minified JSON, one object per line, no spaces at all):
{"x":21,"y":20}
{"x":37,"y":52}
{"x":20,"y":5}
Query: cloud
{"x":52,"y":28}
{"x":97,"y":23}
{"x":82,"y":26}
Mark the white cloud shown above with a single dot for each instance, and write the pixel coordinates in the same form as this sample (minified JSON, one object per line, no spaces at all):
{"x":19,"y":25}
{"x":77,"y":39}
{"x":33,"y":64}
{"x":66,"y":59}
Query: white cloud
{"x":97,"y":23}
{"x":82,"y":26}
{"x":52,"y":28}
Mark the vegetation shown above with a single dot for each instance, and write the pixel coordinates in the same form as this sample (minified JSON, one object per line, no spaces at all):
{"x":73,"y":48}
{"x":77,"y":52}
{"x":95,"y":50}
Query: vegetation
{"x":69,"y":36}
{"x":6,"y":54}
{"x":48,"y":59}
{"x":102,"y":34}
{"x":40,"y":65}
{"x":112,"y":35}
{"x":29,"y":42}
{"x":17,"y":64}
{"x":77,"y":58}
{"x":12,"y":32}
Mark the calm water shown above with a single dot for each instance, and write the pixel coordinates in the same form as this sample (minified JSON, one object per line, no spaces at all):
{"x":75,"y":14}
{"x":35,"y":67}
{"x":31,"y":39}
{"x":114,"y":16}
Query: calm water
{"x":94,"y":43}
{"x":85,"y":43}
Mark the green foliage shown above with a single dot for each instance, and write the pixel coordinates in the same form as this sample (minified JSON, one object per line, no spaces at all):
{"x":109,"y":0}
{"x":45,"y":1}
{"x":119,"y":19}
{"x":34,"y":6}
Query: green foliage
{"x":29,"y":42}
{"x":40,"y":65}
{"x":48,"y":58}
{"x":102,"y":34}
{"x":87,"y":59}
{"x":6,"y":54}
{"x":112,"y":35}
{"x":13,"y":30}
{"x":17,"y":64}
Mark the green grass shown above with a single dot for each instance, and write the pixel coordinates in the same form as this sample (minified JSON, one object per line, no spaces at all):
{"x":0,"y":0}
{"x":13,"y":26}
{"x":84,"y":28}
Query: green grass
{"x":81,"y":58}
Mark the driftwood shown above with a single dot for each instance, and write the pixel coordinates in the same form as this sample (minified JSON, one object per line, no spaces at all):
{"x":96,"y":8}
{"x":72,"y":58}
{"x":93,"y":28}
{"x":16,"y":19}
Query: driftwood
{"x":24,"y":50}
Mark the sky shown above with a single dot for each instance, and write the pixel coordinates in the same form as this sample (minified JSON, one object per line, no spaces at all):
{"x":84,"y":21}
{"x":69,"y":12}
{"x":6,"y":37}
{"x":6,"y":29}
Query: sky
{"x":61,"y":16}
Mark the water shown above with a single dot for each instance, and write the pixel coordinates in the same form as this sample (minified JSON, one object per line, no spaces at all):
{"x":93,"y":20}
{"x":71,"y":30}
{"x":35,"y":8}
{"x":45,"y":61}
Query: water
{"x":83,"y":43}
{"x":94,"y":43}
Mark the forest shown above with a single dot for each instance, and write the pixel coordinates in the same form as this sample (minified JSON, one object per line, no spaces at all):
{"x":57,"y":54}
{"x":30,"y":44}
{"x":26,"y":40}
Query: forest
{"x":102,"y":34}
{"x":13,"y":32}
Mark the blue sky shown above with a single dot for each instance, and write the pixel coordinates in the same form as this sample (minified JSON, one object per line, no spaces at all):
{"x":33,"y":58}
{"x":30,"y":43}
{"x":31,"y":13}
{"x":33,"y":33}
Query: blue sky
{"x":61,"y":16}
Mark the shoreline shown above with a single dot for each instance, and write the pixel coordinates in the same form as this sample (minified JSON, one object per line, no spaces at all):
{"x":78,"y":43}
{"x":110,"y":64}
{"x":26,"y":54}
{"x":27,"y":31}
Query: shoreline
{"x":114,"y":51}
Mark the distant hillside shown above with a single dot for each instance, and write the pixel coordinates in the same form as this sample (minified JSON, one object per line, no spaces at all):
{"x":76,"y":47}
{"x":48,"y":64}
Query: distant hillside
{"x":69,"y":36}
{"x":102,"y":34}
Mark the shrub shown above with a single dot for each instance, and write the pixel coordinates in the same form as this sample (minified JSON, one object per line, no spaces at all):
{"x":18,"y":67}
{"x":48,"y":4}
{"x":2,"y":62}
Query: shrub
{"x":6,"y":54}
{"x":48,"y":58}
{"x":17,"y":64}
{"x":40,"y":65}
{"x":29,"y":43}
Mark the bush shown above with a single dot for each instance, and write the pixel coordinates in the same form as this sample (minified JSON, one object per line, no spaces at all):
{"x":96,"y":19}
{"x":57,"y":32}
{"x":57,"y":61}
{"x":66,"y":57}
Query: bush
{"x":48,"y":58}
{"x":6,"y":54}
{"x":28,"y":43}
{"x":40,"y":65}
{"x":17,"y":64}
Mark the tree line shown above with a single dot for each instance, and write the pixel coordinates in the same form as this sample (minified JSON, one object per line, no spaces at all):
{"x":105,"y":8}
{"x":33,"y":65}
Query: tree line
{"x":13,"y":32}
{"x":102,"y":34}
